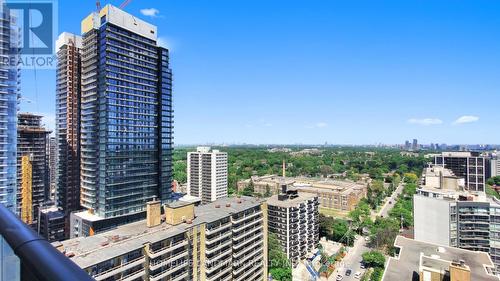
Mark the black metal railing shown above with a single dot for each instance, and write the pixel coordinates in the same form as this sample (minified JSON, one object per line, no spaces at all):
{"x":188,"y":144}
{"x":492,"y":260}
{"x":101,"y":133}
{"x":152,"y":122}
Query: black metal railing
{"x":39,"y":260}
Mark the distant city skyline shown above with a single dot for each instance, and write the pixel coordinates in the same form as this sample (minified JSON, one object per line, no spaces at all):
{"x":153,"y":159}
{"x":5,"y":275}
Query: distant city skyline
{"x":311,"y":72}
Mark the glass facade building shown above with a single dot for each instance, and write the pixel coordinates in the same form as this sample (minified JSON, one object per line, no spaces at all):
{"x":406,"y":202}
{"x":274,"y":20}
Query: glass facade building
{"x":126,"y":115}
{"x":9,"y":94}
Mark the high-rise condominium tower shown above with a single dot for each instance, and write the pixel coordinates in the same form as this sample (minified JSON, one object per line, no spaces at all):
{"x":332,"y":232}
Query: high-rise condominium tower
{"x":207,"y":174}
{"x":68,"y":94}
{"x":126,"y":115}
{"x":9,"y":94}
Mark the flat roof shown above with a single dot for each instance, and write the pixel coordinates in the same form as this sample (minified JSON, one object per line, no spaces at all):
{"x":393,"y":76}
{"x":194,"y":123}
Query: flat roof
{"x":406,"y":265}
{"x":121,"y":240}
{"x":226,"y":207}
{"x":293,"y":202}
{"x":103,"y":246}
{"x":178,"y":204}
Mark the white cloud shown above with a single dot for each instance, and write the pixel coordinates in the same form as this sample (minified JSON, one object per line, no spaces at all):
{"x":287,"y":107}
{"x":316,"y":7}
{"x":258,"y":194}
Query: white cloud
{"x":425,"y":121}
{"x":466,"y":119}
{"x":150,"y":12}
{"x":317,"y":125}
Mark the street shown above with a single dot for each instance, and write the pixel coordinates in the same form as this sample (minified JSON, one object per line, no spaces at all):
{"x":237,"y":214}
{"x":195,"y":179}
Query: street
{"x":353,"y":260}
{"x":389,"y":202}
{"x":354,"y":257}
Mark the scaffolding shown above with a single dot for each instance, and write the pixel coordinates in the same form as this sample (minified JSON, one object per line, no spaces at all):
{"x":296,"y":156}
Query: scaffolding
{"x":27,"y":190}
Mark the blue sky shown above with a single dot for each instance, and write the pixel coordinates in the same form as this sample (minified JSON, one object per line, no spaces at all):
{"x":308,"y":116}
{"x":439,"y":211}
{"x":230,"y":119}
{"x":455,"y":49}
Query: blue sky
{"x":345,"y":72}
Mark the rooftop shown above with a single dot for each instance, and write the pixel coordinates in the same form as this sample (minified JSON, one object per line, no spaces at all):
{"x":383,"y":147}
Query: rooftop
{"x":123,"y":239}
{"x":292,"y":202}
{"x":320,"y":184}
{"x":406,"y":265}
{"x":459,"y":154}
{"x":224,"y":207}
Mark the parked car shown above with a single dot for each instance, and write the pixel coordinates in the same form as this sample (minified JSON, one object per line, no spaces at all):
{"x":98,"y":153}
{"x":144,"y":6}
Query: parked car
{"x":362,"y":266}
{"x":348,"y":272}
{"x":339,"y":277}
{"x":357,"y":275}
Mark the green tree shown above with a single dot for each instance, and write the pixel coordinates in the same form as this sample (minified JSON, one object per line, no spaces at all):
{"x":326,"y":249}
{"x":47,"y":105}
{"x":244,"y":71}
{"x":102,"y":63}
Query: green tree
{"x":494,"y":181}
{"x":374,"y":259}
{"x":279,"y":266}
{"x":384,"y":232}
{"x":249,"y":189}
{"x":268,"y":191}
{"x":180,"y":174}
{"x":411,"y":178}
{"x":360,"y":216}
{"x":336,"y":229}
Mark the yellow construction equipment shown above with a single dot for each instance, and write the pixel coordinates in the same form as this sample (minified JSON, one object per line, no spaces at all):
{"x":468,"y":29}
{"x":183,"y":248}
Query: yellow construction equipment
{"x":27,"y":190}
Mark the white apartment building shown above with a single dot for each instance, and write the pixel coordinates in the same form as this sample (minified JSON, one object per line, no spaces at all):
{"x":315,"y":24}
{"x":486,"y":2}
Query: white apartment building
{"x":495,"y":166}
{"x":447,"y":214}
{"x":207,"y":174}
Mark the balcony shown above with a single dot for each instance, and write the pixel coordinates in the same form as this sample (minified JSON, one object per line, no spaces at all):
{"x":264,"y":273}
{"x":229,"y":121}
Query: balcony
{"x":220,"y":246}
{"x":241,"y":227}
{"x":167,"y":272}
{"x":168,"y":260}
{"x":219,"y":228}
{"x":36,"y":257}
{"x":117,"y":269}
{"x":238,"y":220}
{"x":133,"y":276}
{"x":218,"y":275}
{"x":218,"y":238}
{"x":157,"y":253}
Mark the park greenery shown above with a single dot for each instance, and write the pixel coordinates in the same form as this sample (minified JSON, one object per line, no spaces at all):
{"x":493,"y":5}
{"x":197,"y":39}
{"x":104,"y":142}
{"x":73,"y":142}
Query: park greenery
{"x":279,"y":266}
{"x":349,"y":162}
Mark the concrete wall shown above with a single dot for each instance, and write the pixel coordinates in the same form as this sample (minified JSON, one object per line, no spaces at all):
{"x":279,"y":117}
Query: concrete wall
{"x":431,"y":220}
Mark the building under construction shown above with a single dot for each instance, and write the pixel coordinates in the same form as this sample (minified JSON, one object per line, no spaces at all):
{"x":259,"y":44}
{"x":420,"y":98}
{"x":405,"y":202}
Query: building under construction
{"x":68,"y":123}
{"x":32,"y":166}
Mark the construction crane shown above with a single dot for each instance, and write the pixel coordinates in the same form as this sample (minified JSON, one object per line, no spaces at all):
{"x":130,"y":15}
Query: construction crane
{"x":27,"y":189}
{"x":122,"y":5}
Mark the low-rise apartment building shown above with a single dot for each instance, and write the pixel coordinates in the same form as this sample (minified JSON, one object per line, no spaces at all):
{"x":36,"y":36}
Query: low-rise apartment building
{"x":294,"y":218}
{"x":223,"y":240}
